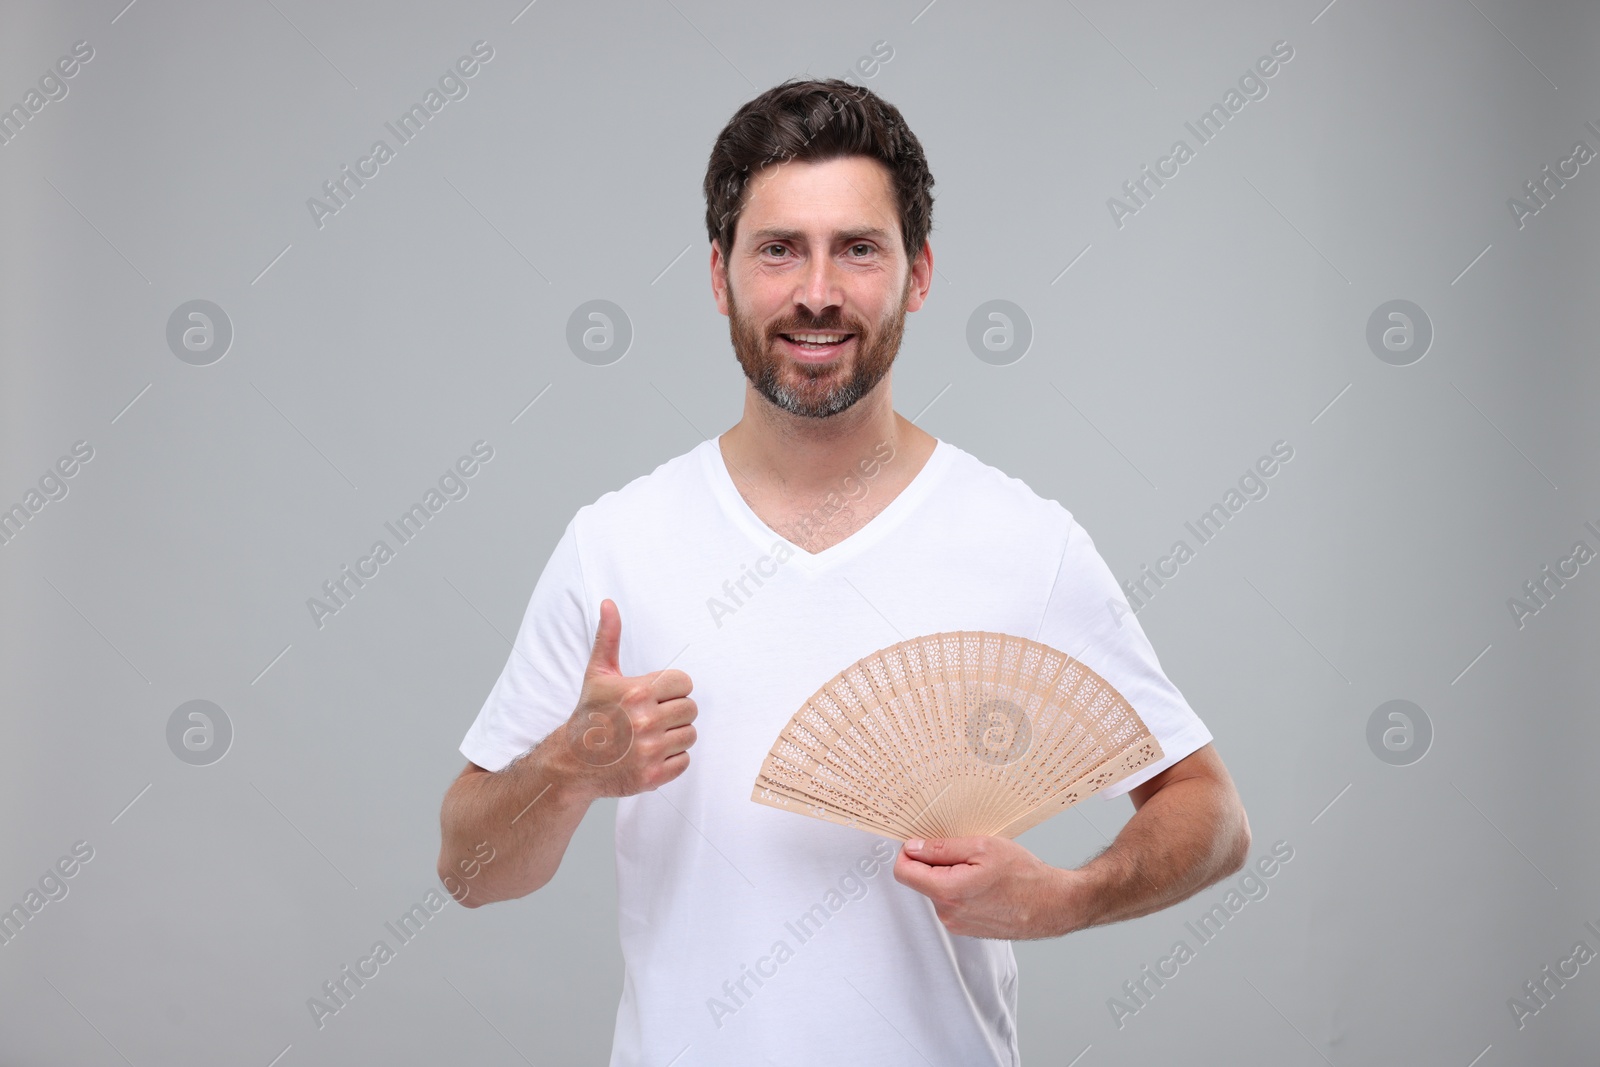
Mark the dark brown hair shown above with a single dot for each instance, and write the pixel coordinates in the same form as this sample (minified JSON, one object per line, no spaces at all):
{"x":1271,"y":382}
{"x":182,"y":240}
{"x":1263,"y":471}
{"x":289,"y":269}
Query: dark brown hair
{"x":812,"y":121}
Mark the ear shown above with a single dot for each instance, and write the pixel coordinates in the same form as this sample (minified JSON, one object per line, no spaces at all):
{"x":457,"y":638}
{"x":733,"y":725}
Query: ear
{"x":719,"y":278}
{"x":921,"y":277}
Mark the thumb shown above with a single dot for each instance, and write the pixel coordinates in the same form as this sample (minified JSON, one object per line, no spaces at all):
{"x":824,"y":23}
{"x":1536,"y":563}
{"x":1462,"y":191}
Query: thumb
{"x":941,"y":851}
{"x":603,"y":660}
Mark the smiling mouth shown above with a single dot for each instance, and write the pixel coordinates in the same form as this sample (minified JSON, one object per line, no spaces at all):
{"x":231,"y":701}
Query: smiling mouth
{"x":817,"y":342}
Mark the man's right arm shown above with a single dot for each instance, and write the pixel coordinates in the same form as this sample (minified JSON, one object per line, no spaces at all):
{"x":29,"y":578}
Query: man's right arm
{"x":503,"y":833}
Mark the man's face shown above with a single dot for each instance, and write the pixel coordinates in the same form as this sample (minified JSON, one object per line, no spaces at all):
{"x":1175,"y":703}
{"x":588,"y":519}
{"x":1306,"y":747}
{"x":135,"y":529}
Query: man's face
{"x":818,"y":252}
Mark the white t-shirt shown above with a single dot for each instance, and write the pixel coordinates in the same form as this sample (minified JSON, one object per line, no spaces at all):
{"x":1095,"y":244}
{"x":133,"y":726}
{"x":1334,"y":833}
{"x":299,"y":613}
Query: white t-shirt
{"x":755,"y":936}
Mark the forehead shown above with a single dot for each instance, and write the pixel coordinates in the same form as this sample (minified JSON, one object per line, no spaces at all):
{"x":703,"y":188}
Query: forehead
{"x":820,"y":199}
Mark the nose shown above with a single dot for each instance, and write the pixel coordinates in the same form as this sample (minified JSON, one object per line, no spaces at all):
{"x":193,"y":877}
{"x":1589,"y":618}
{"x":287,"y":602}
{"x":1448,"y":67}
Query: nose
{"x":819,"y":287}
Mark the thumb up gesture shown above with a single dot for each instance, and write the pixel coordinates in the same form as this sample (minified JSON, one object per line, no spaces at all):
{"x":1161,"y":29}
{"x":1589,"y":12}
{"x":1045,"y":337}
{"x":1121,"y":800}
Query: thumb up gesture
{"x":633,"y":734}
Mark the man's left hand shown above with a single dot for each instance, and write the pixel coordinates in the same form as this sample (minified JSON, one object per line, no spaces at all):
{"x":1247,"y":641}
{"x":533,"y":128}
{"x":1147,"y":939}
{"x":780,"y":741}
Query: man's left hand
{"x":989,"y":887}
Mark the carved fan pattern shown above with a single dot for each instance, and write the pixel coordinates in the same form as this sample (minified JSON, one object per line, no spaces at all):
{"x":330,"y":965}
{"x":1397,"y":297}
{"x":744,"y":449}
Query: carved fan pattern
{"x":954,"y":734}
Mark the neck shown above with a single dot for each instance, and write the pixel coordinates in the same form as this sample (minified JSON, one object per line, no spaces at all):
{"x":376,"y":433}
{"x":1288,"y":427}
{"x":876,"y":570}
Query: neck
{"x":771,"y":446}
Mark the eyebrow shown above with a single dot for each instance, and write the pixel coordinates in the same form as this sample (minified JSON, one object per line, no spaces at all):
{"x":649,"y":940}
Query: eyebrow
{"x":777,"y":233}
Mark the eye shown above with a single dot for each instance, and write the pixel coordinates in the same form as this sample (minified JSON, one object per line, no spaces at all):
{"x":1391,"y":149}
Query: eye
{"x":862,"y":244}
{"x":770,"y":247}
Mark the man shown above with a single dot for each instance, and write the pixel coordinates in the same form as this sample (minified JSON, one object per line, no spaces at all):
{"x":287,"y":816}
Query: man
{"x":750,"y":570}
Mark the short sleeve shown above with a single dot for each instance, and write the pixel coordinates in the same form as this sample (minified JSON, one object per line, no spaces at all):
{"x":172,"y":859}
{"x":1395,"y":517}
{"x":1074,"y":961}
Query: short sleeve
{"x":1087,"y":616}
{"x":539,"y":685}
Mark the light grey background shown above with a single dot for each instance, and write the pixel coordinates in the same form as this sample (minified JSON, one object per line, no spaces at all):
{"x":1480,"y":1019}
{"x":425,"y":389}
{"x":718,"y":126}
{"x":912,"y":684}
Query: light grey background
{"x":1229,"y":313}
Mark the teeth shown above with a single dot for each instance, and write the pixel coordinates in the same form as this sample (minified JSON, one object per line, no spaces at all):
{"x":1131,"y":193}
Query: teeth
{"x":818,"y":338}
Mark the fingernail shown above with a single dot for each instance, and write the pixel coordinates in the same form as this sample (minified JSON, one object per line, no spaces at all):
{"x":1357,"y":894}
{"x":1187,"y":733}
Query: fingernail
{"x":914,"y":845}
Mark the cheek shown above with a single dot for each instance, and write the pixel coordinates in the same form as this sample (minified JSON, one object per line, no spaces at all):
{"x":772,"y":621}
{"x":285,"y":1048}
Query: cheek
{"x":885,"y":310}
{"x":756,"y":313}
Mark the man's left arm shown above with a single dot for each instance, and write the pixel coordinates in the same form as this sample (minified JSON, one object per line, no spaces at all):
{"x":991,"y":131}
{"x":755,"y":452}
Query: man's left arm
{"x":1188,"y":831}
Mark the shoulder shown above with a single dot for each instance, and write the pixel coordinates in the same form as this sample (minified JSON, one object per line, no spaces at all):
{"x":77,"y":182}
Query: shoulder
{"x":973,"y":484}
{"x":663,"y":491}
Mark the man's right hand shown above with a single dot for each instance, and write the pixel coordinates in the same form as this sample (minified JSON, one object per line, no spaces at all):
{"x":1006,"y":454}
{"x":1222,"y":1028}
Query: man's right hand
{"x":628,"y":735}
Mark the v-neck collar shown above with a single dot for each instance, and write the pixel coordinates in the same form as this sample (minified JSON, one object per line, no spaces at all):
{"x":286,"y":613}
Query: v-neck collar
{"x":764,"y":537}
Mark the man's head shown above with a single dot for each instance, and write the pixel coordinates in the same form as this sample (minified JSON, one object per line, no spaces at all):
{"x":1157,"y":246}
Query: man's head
{"x":818,"y":207}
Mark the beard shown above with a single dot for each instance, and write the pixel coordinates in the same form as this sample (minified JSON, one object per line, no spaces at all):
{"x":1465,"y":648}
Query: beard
{"x":809,"y":390}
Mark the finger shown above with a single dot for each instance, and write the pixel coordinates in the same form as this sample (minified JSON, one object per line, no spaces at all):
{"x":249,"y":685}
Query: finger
{"x":678,"y":739}
{"x":675,"y":765}
{"x":677,"y":712}
{"x":669,"y":684}
{"x":914,"y":875}
{"x":943,"y":851}
{"x":607,"y":641}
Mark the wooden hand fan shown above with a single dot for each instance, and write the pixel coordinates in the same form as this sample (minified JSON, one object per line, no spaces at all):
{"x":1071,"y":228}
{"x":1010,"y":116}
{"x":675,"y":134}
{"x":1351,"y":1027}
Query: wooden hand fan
{"x":954,"y":734}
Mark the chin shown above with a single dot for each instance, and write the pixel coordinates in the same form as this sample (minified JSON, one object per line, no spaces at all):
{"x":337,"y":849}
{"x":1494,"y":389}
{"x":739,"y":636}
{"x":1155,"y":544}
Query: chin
{"x":811,"y":404}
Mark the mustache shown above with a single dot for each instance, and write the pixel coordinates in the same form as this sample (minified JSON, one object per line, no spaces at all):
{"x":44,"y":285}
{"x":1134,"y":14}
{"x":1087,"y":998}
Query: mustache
{"x":833,"y":325}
